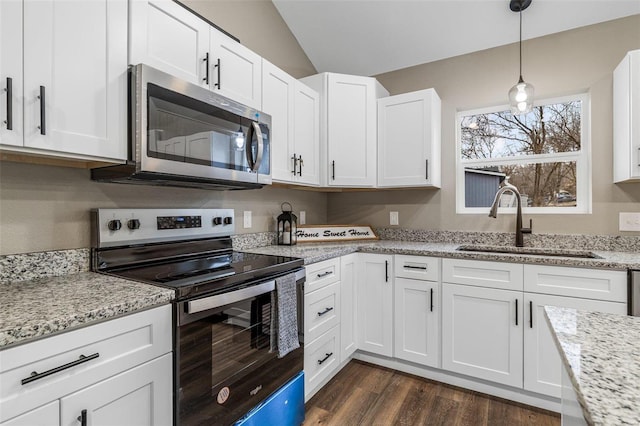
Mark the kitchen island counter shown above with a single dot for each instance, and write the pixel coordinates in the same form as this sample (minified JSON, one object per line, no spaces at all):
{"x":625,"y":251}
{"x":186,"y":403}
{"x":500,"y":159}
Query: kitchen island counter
{"x":600,"y":352}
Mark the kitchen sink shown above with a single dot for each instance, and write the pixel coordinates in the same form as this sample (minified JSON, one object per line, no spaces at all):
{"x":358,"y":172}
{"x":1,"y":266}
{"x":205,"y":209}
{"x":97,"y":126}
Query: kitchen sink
{"x":531,"y":251}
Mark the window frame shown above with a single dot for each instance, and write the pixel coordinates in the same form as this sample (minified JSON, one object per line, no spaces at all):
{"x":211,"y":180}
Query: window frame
{"x":581,"y":157}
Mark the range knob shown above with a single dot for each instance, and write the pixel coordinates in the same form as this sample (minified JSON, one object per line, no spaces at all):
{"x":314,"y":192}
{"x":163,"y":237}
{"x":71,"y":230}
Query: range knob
{"x":228,"y":220}
{"x":114,"y":225}
{"x":217,"y":221}
{"x":133,"y":224}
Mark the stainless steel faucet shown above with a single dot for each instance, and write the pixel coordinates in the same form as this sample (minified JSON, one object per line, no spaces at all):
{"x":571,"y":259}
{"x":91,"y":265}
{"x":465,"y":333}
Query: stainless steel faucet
{"x":493,"y":212}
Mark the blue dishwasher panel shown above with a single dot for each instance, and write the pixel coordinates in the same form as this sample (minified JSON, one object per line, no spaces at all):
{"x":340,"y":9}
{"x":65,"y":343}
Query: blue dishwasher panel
{"x":285,"y":407}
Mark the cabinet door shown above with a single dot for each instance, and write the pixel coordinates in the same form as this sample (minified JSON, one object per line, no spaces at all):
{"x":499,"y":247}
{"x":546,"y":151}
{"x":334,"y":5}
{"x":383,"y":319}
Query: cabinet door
{"x":542,"y":361}
{"x":75,"y":68}
{"x":11,"y":73}
{"x":409,"y":139}
{"x":278,"y":102}
{"x":375,"y":303}
{"x":351,"y":130}
{"x":306,"y":134}
{"x":168,"y":37}
{"x":626,"y":124}
{"x":348,"y":306}
{"x":417,"y":321}
{"x":47,"y":415}
{"x":140,"y":396}
{"x":236,"y":70}
{"x":482,"y":333}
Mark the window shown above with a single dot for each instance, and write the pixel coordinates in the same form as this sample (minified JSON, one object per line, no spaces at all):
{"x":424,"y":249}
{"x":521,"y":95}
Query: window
{"x":545,"y":154}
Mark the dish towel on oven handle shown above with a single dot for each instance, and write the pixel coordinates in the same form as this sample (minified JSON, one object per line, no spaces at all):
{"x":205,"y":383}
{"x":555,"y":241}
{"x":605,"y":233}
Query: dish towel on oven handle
{"x":284,"y":317}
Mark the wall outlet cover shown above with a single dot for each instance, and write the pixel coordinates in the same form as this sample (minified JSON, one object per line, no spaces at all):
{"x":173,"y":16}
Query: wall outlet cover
{"x":629,"y":221}
{"x":393,"y":218}
{"x":247,"y":219}
{"x":303,"y":217}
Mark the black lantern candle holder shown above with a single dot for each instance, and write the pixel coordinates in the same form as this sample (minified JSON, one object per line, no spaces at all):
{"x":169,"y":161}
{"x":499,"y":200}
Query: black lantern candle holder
{"x":287,"y":226}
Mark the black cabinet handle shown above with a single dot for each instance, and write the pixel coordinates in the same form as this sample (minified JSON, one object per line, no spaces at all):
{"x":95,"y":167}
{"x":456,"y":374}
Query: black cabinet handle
{"x":295,"y":163}
{"x":217,"y":65}
{"x":423,"y":268}
{"x":516,"y":311}
{"x":386,"y":271}
{"x":325,"y":311}
{"x":206,"y":72}
{"x":42,"y":126}
{"x":333,"y":170}
{"x":320,"y":361}
{"x":82,"y":418}
{"x":324,"y":274}
{"x":9,"y":90}
{"x":426,"y":169}
{"x":530,"y":314}
{"x":81,"y":360}
{"x":301,"y":163}
{"x":431,"y":300}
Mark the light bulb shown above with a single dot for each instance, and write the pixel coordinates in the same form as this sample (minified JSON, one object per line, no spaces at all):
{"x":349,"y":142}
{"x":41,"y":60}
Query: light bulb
{"x":521,"y":98}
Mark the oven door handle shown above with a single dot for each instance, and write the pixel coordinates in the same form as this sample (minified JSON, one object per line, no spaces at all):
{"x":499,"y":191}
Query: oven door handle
{"x":206,"y":303}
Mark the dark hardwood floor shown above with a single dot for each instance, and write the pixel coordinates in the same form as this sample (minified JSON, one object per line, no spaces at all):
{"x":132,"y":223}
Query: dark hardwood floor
{"x":365,"y":394}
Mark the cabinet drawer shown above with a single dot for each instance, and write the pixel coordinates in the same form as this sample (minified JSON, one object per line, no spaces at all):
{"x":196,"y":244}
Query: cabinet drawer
{"x":321,"y":311}
{"x":507,"y":276}
{"x":417,"y":267}
{"x":576,"y":282}
{"x":120,"y":343}
{"x":321,"y":274}
{"x":321,"y":358}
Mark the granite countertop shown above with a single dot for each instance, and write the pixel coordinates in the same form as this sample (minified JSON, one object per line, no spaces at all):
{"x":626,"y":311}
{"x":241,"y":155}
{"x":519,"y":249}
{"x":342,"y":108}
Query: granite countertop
{"x":316,"y":252}
{"x":602,"y":354}
{"x":39,"y":307}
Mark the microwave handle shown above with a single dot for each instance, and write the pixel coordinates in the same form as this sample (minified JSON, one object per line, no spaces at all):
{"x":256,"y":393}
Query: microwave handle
{"x":255,"y":128}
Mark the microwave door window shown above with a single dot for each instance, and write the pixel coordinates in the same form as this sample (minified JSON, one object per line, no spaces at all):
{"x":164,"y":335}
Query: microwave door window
{"x":185,"y":130}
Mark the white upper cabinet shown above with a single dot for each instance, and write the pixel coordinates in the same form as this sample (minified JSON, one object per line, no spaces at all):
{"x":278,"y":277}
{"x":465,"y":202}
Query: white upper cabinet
{"x":295,"y":136}
{"x":626,"y":119}
{"x":235,"y":71}
{"x":347,"y":128}
{"x":409,"y":140}
{"x":72,"y":89}
{"x":168,"y":37}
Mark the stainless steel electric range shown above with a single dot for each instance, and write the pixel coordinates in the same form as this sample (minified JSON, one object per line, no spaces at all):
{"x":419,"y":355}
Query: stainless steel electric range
{"x":224,"y":362}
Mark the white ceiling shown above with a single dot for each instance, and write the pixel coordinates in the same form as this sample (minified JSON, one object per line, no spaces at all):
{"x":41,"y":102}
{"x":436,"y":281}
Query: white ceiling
{"x":368,"y":37}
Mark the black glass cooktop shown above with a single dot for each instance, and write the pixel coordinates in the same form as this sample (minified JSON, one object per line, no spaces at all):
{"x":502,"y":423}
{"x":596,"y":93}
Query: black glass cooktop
{"x":212,"y":274}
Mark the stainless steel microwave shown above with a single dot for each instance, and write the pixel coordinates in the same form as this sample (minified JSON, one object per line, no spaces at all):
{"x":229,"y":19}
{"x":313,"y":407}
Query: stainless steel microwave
{"x":182,"y":134}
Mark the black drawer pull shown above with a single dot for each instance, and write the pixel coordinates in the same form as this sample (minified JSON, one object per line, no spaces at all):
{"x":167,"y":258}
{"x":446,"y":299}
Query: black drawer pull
{"x":36,"y":376}
{"x":295,"y":163}
{"x":516,"y":311}
{"x":82,"y":418}
{"x":217,"y":65}
{"x":333,"y":170}
{"x":9,"y":90}
{"x":206,"y":72}
{"x":327,"y":310}
{"x":386,"y":271}
{"x":423,"y":268}
{"x":324,"y":274}
{"x":320,"y":361}
{"x":530,"y":314}
{"x":432,"y":300}
{"x":43,"y":124}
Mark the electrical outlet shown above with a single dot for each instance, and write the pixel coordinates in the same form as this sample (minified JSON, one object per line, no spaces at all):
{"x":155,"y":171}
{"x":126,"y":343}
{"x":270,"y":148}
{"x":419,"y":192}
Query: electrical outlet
{"x":303,"y":217}
{"x":629,"y":221}
{"x":393,"y":218}
{"x":247,"y":219}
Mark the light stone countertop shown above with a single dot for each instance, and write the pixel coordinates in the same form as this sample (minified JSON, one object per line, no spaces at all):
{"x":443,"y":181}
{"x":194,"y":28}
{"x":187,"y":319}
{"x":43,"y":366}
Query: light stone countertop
{"x":317,"y":252}
{"x":43,"y":306}
{"x":602,"y":353}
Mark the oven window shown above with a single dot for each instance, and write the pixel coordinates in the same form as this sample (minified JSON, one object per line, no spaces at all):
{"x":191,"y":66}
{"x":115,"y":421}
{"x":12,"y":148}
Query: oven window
{"x":187,"y":130}
{"x":226,"y":365}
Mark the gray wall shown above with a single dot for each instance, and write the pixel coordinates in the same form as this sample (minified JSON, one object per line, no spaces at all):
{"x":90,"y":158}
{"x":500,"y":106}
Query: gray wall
{"x":47,"y":207}
{"x":570,"y":62}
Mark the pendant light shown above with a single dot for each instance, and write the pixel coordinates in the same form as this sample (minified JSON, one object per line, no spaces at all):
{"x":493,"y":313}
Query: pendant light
{"x":520,"y":95}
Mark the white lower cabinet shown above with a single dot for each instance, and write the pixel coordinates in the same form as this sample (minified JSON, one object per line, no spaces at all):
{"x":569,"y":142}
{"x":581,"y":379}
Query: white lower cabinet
{"x":375,"y":303}
{"x":348,"y":306}
{"x":482,"y":333}
{"x":119,"y":371}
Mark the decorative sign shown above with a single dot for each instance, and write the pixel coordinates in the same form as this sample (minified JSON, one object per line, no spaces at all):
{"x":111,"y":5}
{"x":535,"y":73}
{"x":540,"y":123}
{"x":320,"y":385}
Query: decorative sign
{"x":314,"y":233}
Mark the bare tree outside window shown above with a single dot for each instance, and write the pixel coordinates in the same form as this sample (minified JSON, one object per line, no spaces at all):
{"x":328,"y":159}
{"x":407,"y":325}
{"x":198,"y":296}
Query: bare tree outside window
{"x":539,"y":152}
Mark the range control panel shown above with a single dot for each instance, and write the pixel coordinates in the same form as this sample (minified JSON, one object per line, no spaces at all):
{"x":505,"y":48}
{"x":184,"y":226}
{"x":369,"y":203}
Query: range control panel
{"x":118,"y":227}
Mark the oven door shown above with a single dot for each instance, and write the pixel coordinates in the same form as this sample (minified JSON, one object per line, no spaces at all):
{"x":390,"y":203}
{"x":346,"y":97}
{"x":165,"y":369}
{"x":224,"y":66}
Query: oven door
{"x":224,"y":362}
{"x":184,"y":129}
